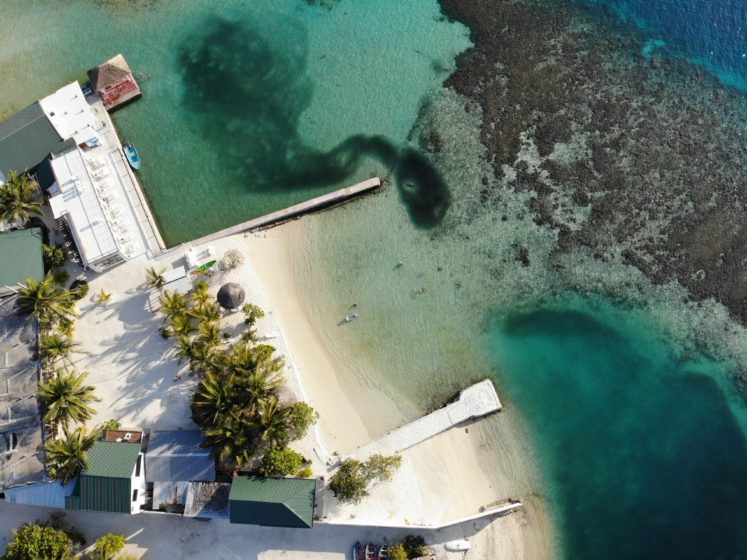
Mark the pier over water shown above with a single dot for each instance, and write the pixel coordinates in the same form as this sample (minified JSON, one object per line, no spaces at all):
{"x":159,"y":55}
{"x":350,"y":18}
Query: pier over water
{"x":295,"y":211}
{"x":472,"y":403}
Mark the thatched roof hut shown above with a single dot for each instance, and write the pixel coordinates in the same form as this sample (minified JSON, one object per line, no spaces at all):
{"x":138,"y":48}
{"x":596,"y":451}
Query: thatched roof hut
{"x":231,"y":296}
{"x":114,"y":82}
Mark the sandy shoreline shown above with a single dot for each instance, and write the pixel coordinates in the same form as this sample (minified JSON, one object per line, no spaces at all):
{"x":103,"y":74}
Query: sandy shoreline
{"x":457,"y":483}
{"x":140,"y":383}
{"x":340,"y":423}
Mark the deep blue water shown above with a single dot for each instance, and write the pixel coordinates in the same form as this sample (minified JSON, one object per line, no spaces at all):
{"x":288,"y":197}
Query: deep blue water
{"x":712,"y":33}
{"x":643,"y":456}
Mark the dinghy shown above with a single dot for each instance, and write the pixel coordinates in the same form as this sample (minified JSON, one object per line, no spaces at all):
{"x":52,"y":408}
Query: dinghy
{"x":132,"y":156}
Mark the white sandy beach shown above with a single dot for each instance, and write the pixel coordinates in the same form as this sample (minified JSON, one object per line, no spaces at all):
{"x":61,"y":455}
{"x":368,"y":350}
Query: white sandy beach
{"x":141,"y":384}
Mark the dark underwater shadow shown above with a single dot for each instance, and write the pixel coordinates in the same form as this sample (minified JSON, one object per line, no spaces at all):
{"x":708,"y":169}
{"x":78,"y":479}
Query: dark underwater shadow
{"x":247,"y":94}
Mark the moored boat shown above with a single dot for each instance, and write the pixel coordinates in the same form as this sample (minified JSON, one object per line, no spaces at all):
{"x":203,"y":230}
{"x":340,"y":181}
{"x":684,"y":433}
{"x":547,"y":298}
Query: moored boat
{"x":358,"y":552}
{"x":460,"y":545}
{"x":370,"y":552}
{"x":384,"y":552}
{"x":133,"y":158}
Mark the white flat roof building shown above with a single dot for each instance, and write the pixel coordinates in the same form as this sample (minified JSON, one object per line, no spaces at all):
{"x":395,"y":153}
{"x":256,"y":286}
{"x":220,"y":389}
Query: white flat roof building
{"x":70,"y":114}
{"x":95,"y":191}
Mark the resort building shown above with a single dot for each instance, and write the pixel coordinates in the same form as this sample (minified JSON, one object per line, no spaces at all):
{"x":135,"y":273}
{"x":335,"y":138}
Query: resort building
{"x":27,"y":138}
{"x":114,"y":83}
{"x":21,"y":437}
{"x":22,"y":248}
{"x":174,"y":458}
{"x":94,"y":195}
{"x":68,"y":140}
{"x":114,"y":480}
{"x":273,"y":502}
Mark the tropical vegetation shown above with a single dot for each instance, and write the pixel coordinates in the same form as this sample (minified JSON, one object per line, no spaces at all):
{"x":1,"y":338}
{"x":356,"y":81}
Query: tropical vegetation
{"x":45,"y":301}
{"x":18,"y":198}
{"x":351,"y":480}
{"x":65,"y":398}
{"x":67,"y":456}
{"x":284,"y":462}
{"x":107,"y":547}
{"x":236,"y":402}
{"x":33,"y":541}
{"x":154,"y":278}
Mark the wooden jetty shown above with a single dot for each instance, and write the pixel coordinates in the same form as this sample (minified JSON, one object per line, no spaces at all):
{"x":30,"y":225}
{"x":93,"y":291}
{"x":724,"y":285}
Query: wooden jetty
{"x":473,"y":402}
{"x":295,"y":211}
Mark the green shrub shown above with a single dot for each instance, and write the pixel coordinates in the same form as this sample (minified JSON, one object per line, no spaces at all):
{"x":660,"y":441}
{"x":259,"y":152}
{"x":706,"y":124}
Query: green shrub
{"x":349,"y":482}
{"x":31,"y":541}
{"x":302,"y":416}
{"x":415,"y":547}
{"x":397,"y":552}
{"x":306,"y":472}
{"x":54,"y":257}
{"x":61,"y":276}
{"x":79,"y":288}
{"x":281,"y":461}
{"x":107,"y":547}
{"x":382,"y":467}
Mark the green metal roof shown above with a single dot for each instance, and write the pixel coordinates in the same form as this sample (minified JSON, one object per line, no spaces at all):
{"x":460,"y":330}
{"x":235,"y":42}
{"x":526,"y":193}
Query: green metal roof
{"x":21,"y":255}
{"x":101,"y":493}
{"x":112,"y":459}
{"x":26,"y":138}
{"x":276,"y":502}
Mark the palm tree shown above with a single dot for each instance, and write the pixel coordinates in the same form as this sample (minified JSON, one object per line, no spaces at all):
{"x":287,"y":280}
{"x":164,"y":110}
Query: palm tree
{"x":273,"y":422}
{"x":55,"y":347}
{"x":209,"y":335}
{"x":232,"y":440}
{"x":18,"y":198}
{"x":199,"y":297}
{"x":173,"y":304}
{"x":208,"y":313}
{"x":65,"y":398}
{"x":46,"y":301}
{"x":212,"y":400}
{"x":181,"y":326}
{"x":257,"y":388}
{"x":155,"y":278}
{"x":67,"y":457}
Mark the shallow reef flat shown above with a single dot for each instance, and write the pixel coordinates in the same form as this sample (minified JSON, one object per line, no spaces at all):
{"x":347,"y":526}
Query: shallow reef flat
{"x":623,"y":156}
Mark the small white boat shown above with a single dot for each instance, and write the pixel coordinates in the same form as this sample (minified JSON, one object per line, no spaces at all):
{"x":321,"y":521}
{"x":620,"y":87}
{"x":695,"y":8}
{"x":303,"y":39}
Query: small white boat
{"x":457,"y":546}
{"x":351,"y":317}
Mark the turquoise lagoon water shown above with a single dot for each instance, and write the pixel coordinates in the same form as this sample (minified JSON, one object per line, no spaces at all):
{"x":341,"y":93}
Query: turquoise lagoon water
{"x":629,"y":436}
{"x":250,"y":106}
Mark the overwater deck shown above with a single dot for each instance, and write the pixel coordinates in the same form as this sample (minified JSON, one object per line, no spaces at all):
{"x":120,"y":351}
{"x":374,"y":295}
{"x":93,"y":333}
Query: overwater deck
{"x":473,"y":402}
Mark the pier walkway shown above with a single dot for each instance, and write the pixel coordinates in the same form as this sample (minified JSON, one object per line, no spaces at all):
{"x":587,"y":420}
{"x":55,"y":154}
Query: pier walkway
{"x":473,"y":402}
{"x":275,"y":218}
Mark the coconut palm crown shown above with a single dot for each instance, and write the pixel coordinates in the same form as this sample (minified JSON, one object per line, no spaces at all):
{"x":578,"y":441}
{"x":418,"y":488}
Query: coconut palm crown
{"x":45,"y":301}
{"x":65,"y":399}
{"x":67,"y":457}
{"x":18,"y":198}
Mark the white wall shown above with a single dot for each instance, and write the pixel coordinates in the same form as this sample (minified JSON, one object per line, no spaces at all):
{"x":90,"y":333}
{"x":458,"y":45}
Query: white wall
{"x":138,"y":482}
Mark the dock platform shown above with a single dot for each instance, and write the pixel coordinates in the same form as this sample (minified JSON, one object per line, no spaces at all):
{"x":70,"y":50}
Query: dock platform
{"x":295,"y":211}
{"x":473,"y":402}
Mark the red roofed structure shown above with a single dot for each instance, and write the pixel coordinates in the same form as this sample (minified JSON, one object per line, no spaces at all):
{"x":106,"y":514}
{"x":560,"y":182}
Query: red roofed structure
{"x":114,"y":83}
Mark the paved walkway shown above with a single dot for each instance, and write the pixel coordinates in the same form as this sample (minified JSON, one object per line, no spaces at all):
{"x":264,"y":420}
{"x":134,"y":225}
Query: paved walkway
{"x":474,"y":402}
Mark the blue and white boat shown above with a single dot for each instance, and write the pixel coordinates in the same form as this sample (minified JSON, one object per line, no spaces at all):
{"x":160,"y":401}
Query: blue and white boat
{"x":132,"y":156}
